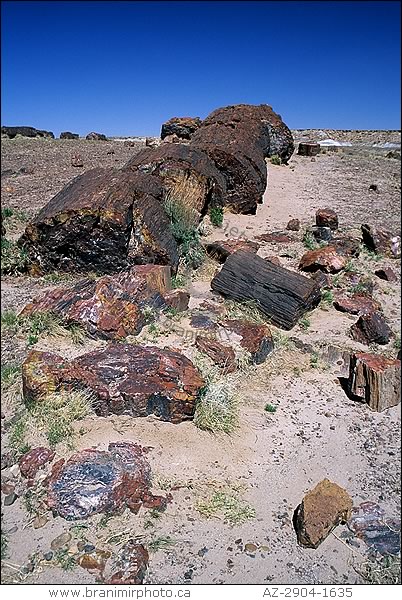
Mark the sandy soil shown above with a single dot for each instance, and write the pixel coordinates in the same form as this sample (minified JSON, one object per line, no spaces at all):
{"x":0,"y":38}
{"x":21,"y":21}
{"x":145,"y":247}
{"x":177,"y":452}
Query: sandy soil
{"x":272,"y":459}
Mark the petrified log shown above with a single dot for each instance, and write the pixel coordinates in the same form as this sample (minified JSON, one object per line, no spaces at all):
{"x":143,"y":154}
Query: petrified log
{"x":223,"y":356}
{"x":111,"y":307}
{"x":87,"y":226}
{"x":375,"y":379}
{"x":256,"y":339}
{"x":238,"y":139}
{"x":221,"y":249}
{"x":123,"y":378}
{"x":96,"y":136}
{"x":371,"y":328}
{"x":308,"y":149}
{"x":94,"y":481}
{"x":321,"y":510}
{"x":280,"y":294}
{"x":11,"y":132}
{"x":67,"y":135}
{"x":381,"y":241}
{"x":326,"y":217}
{"x":188,"y":175}
{"x":326,"y":259}
{"x":183,"y":127}
{"x":356,"y":304}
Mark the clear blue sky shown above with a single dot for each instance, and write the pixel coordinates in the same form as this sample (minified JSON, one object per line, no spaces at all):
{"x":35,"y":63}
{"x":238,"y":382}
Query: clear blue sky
{"x":122,"y":68}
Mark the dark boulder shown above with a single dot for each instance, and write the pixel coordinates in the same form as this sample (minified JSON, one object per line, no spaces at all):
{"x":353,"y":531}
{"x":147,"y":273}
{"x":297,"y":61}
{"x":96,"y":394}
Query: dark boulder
{"x":371,"y":328}
{"x":308,"y":149}
{"x":96,"y":136}
{"x":67,"y":135}
{"x":11,"y":132}
{"x":182,"y":127}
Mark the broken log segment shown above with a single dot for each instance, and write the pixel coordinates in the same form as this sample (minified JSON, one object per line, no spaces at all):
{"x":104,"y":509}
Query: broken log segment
{"x":375,"y":379}
{"x":283,"y":296}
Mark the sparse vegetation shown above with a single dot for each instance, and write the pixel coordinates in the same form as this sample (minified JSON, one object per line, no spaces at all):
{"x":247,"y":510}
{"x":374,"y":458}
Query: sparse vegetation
{"x":217,"y":406}
{"x":179,"y":281}
{"x":41,"y":322}
{"x":270,"y":408}
{"x":327,"y":298}
{"x":314,"y":360}
{"x":4,"y":544}
{"x":381,"y":570}
{"x":304,"y":323}
{"x":65,"y":560}
{"x":275,"y":159}
{"x":309,"y":241}
{"x":163,"y":542}
{"x":248,"y":310}
{"x":226,"y":505}
{"x":17,"y":436}
{"x":9,"y":374}
{"x":216,"y":216}
{"x":370,"y":254}
{"x":14,"y":258}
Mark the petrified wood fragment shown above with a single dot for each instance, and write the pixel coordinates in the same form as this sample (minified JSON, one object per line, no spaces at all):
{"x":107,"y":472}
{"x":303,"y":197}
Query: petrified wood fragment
{"x":67,"y":135}
{"x":280,"y":294}
{"x":386,"y":274}
{"x":326,"y":259}
{"x":223,"y":356}
{"x":131,"y":565}
{"x":356,"y":304}
{"x":308,"y":149}
{"x":375,"y":379}
{"x":32,"y":461}
{"x":321,"y":510}
{"x":221,"y":249}
{"x":256,"y":339}
{"x":183,"y":127}
{"x":113,"y":306}
{"x":371,"y":328}
{"x":11,"y":132}
{"x":381,"y":241}
{"x":94,"y":481}
{"x":326,"y":217}
{"x":124,"y":379}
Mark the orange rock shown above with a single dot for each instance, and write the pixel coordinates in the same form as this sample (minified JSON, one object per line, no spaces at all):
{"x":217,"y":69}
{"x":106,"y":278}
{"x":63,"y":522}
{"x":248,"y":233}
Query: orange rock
{"x":325,"y":259}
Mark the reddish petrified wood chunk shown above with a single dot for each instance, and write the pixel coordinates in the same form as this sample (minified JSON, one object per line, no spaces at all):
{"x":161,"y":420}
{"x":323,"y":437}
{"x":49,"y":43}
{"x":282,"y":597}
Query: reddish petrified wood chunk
{"x":131,"y":565}
{"x":326,"y":259}
{"x":356,"y":304}
{"x":371,"y":328}
{"x":275,"y":237}
{"x":326,"y":217}
{"x":282,"y":295}
{"x":381,"y":241}
{"x":223,"y":356}
{"x":321,"y":510}
{"x":221,"y":249}
{"x":32,"y":461}
{"x":123,"y":378}
{"x":256,"y":339}
{"x":375,"y":379}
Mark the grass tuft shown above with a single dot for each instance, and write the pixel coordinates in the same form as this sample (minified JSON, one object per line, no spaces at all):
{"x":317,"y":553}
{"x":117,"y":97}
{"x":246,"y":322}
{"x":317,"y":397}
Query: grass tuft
{"x":216,"y":216}
{"x":14,"y":259}
{"x":226,"y":505}
{"x":275,"y":159}
{"x":270,"y":408}
{"x":309,"y":241}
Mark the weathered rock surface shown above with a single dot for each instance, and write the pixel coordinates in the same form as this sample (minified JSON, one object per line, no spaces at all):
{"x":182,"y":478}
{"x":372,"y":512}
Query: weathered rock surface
{"x":381,"y":241}
{"x":324,"y":259}
{"x":326,"y":217}
{"x":356,"y":304}
{"x":346,"y":246}
{"x":386,"y":274}
{"x":371,"y":328}
{"x":94,"y":481}
{"x":188,"y":176}
{"x":221,"y":249}
{"x":380,"y":532}
{"x":375,"y":379}
{"x":96,"y":221}
{"x":123,"y":378}
{"x":322,"y":234}
{"x":177,"y":299}
{"x":256,"y":339}
{"x":32,"y":461}
{"x":282,"y":295}
{"x":131,"y":565}
{"x":275,"y":237}
{"x":308,"y":149}
{"x":113,"y":306}
{"x":321,"y":510}
{"x":11,"y":132}
{"x":76,"y":160}
{"x":293,"y":225}
{"x":223,"y":356}
{"x":356,"y":281}
{"x":238,"y":139}
{"x":183,"y":127}
{"x":96,"y":136}
{"x":67,"y":135}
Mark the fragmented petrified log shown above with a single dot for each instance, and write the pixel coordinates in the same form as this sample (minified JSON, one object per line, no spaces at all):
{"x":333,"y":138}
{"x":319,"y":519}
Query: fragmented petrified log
{"x":386,"y":274}
{"x":177,"y":299}
{"x":123,"y":379}
{"x":131,"y":565}
{"x":238,"y":139}
{"x":67,"y":135}
{"x":276,"y":237}
{"x":371,"y":328}
{"x":183,"y":127}
{"x":308,"y":149}
{"x":256,"y":339}
{"x":32,"y":461}
{"x":346,"y":246}
{"x":375,"y":379}
{"x":76,"y":160}
{"x":189,"y":177}
{"x":321,"y":510}
{"x":326,"y":217}
{"x":293,"y":225}
{"x":280,"y":294}
{"x":356,"y":304}
{"x":96,"y":136}
{"x":11,"y":132}
{"x":380,"y":532}
{"x":221,"y":249}
{"x":113,"y":306}
{"x":325,"y":259}
{"x":88,"y":225}
{"x":94,"y":481}
{"x":381,"y":241}
{"x":223,"y":356}
{"x":152,"y":142}
{"x":322,"y":234}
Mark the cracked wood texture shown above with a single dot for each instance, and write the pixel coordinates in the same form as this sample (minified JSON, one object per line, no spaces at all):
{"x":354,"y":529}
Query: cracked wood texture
{"x":280,"y":294}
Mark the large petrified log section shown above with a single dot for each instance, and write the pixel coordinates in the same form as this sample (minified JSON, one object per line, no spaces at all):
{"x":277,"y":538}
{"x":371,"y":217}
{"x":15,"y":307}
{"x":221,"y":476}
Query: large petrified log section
{"x":124,"y":379}
{"x":112,"y":307}
{"x":375,"y":379}
{"x":238,"y":139}
{"x":188,"y":176}
{"x":280,"y":294}
{"x":88,"y":225}
{"x":12,"y":132}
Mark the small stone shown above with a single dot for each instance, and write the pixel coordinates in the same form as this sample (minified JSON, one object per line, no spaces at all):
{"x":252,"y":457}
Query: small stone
{"x":7,"y":488}
{"x":61,"y":541}
{"x":373,"y":187}
{"x":15,"y":471}
{"x":250,"y":547}
{"x":356,"y":304}
{"x":28,"y":568}
{"x":33,"y":460}
{"x":293,"y":225}
{"x":39,"y":521}
{"x":10,"y":499}
{"x":308,"y":149}
{"x":76,"y":161}
{"x":89,"y":548}
{"x":264,"y":548}
{"x":325,"y":259}
{"x":202,"y":551}
{"x":274,"y":260}
{"x":80,"y":546}
{"x":12,"y":530}
{"x":326,"y":217}
{"x":189,"y":574}
{"x":387,"y":274}
{"x":48,"y":555}
{"x":239,"y":541}
{"x":223,"y":356}
{"x":322,"y":234}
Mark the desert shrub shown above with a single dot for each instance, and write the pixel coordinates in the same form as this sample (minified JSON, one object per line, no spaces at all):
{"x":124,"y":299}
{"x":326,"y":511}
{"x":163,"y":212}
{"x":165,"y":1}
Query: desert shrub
{"x":14,"y":259}
{"x":216,"y":216}
{"x":309,"y":241}
{"x":275,"y":159}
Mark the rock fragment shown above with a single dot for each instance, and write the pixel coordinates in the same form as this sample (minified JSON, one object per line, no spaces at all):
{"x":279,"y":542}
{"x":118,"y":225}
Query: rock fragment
{"x":386,"y":274}
{"x":221,"y":249}
{"x":256,"y":339}
{"x":182,"y":127}
{"x":223,"y":356}
{"x":131,"y":565}
{"x":326,"y":217}
{"x":67,"y":135}
{"x":293,"y":225}
{"x":356,"y":304}
{"x":375,"y":379}
{"x":381,"y":241}
{"x":32,"y":461}
{"x":96,"y":136}
{"x":371,"y":328}
{"x":308,"y":149}
{"x":326,"y":259}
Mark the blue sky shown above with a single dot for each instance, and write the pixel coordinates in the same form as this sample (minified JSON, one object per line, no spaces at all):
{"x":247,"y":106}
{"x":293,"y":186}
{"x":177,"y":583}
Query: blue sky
{"x":123,"y":68}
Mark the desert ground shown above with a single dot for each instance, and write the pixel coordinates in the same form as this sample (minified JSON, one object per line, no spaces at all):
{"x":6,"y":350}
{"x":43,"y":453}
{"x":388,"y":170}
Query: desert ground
{"x":266,"y":465}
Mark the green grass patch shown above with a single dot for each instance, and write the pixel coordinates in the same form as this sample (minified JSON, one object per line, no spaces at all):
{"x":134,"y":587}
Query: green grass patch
{"x":309,"y":241}
{"x":275,"y":159}
{"x":270,"y":408}
{"x":39,"y":323}
{"x":14,"y":259}
{"x":216,"y":216}
{"x":227,"y":506}
{"x":304,"y":323}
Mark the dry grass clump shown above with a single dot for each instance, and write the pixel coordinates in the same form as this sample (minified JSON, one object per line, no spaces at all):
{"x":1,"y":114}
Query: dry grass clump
{"x":226,"y":504}
{"x":41,"y":322}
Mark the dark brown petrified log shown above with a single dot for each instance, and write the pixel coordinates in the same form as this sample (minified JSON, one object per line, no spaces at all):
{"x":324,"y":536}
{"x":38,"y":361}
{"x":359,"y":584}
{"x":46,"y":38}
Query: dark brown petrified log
{"x":280,"y":294}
